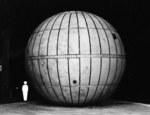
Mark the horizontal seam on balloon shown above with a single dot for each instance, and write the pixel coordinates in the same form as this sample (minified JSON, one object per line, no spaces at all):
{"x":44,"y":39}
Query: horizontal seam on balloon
{"x":76,"y":56}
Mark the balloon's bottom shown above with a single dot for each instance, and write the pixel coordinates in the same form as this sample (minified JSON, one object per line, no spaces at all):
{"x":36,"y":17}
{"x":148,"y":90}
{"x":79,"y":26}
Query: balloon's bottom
{"x":76,"y":96}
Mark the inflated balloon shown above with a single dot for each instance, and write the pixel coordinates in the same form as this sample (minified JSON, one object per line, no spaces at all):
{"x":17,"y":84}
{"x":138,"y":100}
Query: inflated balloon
{"x":75,"y":58}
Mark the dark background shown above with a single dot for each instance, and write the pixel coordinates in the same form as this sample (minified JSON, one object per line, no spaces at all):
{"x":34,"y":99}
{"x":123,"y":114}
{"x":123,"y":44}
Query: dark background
{"x":129,"y":17}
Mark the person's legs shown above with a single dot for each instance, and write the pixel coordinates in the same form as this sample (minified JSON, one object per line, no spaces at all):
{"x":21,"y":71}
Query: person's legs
{"x":25,"y":94}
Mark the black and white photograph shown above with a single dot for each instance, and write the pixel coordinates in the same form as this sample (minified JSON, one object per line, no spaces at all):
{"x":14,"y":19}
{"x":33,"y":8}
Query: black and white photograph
{"x":74,"y":57}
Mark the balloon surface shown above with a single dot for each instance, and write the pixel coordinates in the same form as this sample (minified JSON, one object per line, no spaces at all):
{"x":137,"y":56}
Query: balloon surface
{"x":75,"y":58}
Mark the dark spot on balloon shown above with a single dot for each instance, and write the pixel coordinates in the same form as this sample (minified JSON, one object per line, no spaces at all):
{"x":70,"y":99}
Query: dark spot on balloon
{"x":74,"y":81}
{"x":114,"y":36}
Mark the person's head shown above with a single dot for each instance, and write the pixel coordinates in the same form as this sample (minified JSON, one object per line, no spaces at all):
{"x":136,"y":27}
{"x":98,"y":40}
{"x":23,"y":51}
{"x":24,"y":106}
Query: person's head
{"x":25,"y":82}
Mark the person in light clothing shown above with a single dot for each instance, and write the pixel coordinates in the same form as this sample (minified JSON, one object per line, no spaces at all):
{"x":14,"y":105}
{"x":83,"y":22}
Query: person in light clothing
{"x":25,"y":90}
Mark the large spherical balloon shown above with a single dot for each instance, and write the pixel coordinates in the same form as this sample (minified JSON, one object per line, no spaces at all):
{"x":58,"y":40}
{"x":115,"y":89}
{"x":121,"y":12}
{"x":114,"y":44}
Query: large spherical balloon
{"x":75,"y":58}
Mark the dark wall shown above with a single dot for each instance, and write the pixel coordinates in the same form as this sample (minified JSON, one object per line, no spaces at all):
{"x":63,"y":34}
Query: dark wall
{"x":129,"y":17}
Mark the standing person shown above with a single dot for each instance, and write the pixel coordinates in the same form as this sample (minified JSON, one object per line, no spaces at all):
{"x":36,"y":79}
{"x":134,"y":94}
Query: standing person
{"x":25,"y":91}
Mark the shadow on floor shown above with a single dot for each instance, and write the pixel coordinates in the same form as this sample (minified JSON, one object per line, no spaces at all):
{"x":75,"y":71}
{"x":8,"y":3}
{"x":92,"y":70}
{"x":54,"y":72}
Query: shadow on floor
{"x":100,"y":104}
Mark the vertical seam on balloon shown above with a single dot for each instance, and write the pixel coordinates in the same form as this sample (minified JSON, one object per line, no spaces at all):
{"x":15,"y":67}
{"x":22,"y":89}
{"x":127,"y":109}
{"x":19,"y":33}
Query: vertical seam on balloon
{"x":46,"y":22}
{"x":37,"y":83}
{"x":47,"y":66}
{"x":112,"y":37}
{"x":42,"y":36}
{"x":39,"y":60}
{"x":90,"y":54}
{"x":108,"y":25}
{"x":68,"y":58}
{"x":108,"y":58}
{"x":27,"y":69}
{"x":116,"y":59}
{"x":57,"y":59}
{"x":50,"y":81}
{"x":105,"y":32}
{"x":32,"y":61}
{"x":108,"y":47}
{"x":114,"y":77}
{"x":97,"y":33}
{"x":32,"y":53}
{"x":36,"y":80}
{"x":107,"y":76}
{"x":100,"y":58}
{"x":48,"y":59}
{"x":79,"y":58}
{"x":111,"y":82}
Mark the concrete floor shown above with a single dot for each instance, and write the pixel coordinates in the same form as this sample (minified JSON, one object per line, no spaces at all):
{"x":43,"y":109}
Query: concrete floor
{"x":36,"y":108}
